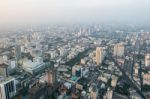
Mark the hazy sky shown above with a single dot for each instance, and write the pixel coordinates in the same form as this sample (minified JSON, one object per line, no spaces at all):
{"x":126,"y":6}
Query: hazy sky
{"x":22,"y":12}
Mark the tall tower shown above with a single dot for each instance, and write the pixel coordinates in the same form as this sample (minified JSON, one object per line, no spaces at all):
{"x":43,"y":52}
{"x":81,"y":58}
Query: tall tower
{"x":119,"y":50}
{"x":7,"y":88}
{"x":99,"y":55}
{"x":18,"y":52}
{"x":140,"y":70}
{"x":51,"y":77}
{"x":147,"y":60}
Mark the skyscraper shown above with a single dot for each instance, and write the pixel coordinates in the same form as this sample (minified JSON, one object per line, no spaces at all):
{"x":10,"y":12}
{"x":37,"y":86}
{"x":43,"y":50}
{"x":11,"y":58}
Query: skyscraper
{"x":147,"y":60}
{"x":99,"y":55}
{"x":119,"y":50}
{"x":7,"y":88}
{"x":51,"y":77}
{"x":129,"y":65}
{"x":18,"y":52}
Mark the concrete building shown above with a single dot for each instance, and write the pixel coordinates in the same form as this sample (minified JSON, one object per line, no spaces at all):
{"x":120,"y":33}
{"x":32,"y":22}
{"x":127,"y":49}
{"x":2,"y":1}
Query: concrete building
{"x":77,"y":71}
{"x":108,"y":94}
{"x":99,"y":55}
{"x":136,"y":69}
{"x":4,"y":70}
{"x":119,"y":50}
{"x":134,"y":95}
{"x":114,"y":81}
{"x":38,"y":92}
{"x":18,"y":52}
{"x":51,"y":77}
{"x":147,"y":60}
{"x":7,"y":88}
{"x":33,"y":67}
{"x":94,"y":92}
{"x":146,"y":78}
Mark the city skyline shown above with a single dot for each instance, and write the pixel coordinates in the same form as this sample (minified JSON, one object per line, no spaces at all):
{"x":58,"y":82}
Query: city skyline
{"x":74,"y":49}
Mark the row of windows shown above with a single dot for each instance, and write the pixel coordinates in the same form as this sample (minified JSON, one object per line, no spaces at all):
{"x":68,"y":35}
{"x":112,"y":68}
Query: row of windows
{"x":9,"y":89}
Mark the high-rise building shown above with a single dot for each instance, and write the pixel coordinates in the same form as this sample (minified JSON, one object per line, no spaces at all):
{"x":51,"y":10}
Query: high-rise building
{"x":7,"y":88}
{"x":77,"y":70}
{"x":119,"y":50}
{"x":109,"y":94}
{"x":4,"y":70}
{"x":137,"y":45}
{"x":100,"y":53}
{"x":114,"y":81}
{"x":18,"y":52}
{"x":136,"y":69}
{"x":129,"y":65}
{"x":147,"y":60}
{"x":51,"y":77}
{"x":94,"y":92}
{"x":146,"y":77}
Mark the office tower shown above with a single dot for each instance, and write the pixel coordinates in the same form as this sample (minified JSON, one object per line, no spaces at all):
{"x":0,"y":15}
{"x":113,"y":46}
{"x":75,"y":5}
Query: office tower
{"x":137,"y":45}
{"x":140,"y":75}
{"x":109,"y":94}
{"x":94,"y":92}
{"x":76,"y":71}
{"x":146,"y":77}
{"x":99,"y":55}
{"x":51,"y":77}
{"x":114,"y":81}
{"x":147,"y":60}
{"x":119,"y":50}
{"x":18,"y":52}
{"x":136,"y":69}
{"x":7,"y":88}
{"x":3,"y":70}
{"x":128,"y":65}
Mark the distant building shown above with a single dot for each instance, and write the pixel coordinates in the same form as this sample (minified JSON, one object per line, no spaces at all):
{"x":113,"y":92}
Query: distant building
{"x":4,"y":70}
{"x":38,"y":92}
{"x":33,"y":67}
{"x":99,"y":55}
{"x":51,"y":77}
{"x":134,"y":95}
{"x":18,"y":52}
{"x":146,"y":78}
{"x":119,"y":50}
{"x":108,"y":94}
{"x":94,"y":92}
{"x":129,"y":65}
{"x":114,"y":81}
{"x":83,"y":61}
{"x":147,"y":60}
{"x":74,"y":93}
{"x":136,"y":69}
{"x":76,"y":71}
{"x":7,"y":88}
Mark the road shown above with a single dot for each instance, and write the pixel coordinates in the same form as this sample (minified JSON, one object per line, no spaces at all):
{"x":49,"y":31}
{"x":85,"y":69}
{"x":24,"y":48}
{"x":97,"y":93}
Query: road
{"x":124,"y":74}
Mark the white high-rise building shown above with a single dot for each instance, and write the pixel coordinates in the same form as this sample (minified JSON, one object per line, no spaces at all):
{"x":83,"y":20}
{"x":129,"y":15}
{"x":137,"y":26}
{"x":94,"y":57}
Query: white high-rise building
{"x":119,"y":50}
{"x":147,"y":60}
{"x":7,"y":88}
